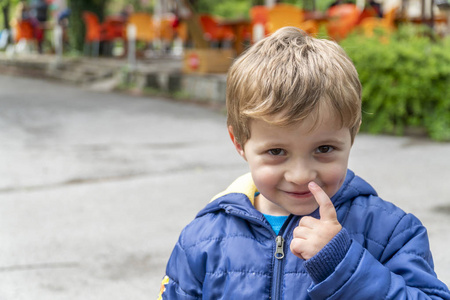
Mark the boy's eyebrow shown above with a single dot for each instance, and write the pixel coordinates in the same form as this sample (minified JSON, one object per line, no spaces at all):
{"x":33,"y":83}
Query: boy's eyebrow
{"x":281,"y":144}
{"x":332,"y":141}
{"x":271,"y":144}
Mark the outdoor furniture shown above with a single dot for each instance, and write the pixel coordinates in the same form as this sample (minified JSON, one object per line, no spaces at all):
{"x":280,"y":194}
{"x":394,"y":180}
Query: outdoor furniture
{"x":284,"y":14}
{"x":165,"y":30}
{"x":114,"y":28}
{"x":94,"y":33}
{"x":241,"y":31}
{"x":343,"y":18}
{"x":24,"y":31}
{"x":319,"y":18}
{"x":145,"y":29}
{"x":367,"y":12}
{"x":259,"y":16}
{"x":25,"y":37}
{"x":181,"y":31}
{"x":387,"y":23}
{"x":213,"y":32}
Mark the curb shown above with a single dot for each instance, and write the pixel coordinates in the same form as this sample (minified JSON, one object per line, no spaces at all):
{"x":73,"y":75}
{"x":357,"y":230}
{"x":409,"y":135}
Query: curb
{"x":160,"y":74}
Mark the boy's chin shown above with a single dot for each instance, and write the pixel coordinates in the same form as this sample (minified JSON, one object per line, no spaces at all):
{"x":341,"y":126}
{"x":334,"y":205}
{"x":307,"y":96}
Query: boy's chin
{"x":304,"y":211}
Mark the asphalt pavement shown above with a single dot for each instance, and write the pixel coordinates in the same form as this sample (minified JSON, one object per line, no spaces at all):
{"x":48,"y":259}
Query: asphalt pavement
{"x":96,"y":187}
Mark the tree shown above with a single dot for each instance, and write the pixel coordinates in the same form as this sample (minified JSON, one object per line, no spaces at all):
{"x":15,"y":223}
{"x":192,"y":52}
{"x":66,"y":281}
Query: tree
{"x":227,"y":9}
{"x":6,"y":6}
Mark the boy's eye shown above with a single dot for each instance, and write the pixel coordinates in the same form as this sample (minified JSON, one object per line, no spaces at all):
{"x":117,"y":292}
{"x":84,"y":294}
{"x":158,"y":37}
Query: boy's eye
{"x":324,"y":149}
{"x":276,"y":152}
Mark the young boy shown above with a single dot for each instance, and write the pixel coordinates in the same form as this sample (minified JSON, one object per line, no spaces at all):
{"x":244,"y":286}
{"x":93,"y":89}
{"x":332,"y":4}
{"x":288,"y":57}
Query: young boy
{"x":300,"y":225}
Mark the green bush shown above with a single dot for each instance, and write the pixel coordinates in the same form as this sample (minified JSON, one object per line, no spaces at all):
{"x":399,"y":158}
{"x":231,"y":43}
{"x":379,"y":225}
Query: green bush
{"x":406,"y":81}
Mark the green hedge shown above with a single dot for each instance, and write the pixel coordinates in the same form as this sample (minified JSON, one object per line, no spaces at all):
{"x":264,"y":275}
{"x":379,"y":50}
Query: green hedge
{"x":406,"y":81}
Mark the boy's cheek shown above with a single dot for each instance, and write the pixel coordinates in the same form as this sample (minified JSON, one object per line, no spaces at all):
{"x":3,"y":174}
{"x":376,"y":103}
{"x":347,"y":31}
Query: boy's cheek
{"x":264,"y":174}
{"x":333,"y":179}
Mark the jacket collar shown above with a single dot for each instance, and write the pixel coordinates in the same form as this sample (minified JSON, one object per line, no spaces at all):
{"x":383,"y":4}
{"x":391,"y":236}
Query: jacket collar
{"x":239,"y":197}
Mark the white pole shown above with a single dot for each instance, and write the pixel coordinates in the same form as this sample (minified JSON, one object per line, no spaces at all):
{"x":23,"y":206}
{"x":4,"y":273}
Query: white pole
{"x":58,"y":36}
{"x":131,"y":35}
{"x":270,"y":3}
{"x":360,"y":4}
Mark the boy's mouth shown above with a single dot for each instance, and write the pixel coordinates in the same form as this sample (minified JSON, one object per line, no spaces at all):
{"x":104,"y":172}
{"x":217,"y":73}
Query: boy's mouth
{"x":299,"y":194}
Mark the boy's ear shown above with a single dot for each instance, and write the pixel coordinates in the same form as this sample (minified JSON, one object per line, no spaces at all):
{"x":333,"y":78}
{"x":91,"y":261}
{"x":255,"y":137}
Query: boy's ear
{"x":238,"y":146}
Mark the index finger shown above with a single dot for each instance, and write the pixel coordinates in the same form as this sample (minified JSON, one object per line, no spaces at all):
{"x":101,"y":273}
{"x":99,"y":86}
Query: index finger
{"x":326,"y":207}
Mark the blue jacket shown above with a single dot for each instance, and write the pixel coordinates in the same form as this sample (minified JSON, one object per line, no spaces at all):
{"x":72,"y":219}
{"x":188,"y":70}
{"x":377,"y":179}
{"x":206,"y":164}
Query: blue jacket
{"x":231,"y":252}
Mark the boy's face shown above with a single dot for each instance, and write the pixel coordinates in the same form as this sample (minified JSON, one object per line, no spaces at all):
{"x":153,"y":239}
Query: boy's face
{"x":283,"y":160}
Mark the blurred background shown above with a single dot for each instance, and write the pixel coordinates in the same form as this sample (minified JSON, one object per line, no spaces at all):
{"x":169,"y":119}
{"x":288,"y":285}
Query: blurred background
{"x":400,"y":47}
{"x":113,"y":127}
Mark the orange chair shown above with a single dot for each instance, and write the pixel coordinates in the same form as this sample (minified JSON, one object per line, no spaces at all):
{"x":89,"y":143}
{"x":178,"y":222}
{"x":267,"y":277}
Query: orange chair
{"x":213,"y":32}
{"x":25,"y":36}
{"x":387,"y":23}
{"x":182,"y":31}
{"x":284,"y":14}
{"x":24,"y":31}
{"x":343,"y":18}
{"x":94,"y":32}
{"x":145,"y":29}
{"x":165,"y":30}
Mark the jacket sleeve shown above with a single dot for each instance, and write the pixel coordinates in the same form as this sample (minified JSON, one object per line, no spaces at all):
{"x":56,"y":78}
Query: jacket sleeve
{"x":404,"y":270}
{"x":180,"y":281}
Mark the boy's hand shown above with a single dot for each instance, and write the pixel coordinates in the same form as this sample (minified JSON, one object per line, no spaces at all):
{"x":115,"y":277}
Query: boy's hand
{"x":311,"y":234}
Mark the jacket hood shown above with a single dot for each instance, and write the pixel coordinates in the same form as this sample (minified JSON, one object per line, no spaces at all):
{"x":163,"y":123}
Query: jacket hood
{"x":239,"y":196}
{"x":352,"y":187}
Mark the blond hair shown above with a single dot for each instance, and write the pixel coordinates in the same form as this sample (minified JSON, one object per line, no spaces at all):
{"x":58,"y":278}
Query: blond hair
{"x":292,"y":75}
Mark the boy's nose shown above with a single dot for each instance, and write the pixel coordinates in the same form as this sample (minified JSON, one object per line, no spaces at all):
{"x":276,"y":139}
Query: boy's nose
{"x":300,"y":174}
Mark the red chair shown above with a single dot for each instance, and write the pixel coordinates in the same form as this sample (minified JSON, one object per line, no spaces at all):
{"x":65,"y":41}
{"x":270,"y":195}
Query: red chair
{"x":367,"y":12}
{"x":259,"y":16}
{"x":213,"y":32}
{"x":386,"y":24}
{"x":343,"y":18}
{"x":113,"y":28}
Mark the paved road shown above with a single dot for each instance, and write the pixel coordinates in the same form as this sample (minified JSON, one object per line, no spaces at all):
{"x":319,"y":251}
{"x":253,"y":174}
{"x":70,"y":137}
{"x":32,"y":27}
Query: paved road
{"x":95,"y":187}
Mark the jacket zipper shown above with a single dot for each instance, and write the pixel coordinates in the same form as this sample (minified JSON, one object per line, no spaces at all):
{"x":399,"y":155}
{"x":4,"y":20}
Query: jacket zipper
{"x":278,"y":274}
{"x":279,"y":256}
{"x":279,"y":253}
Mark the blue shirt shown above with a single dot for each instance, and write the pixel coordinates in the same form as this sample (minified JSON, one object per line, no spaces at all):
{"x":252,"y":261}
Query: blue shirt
{"x":276,"y":222}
